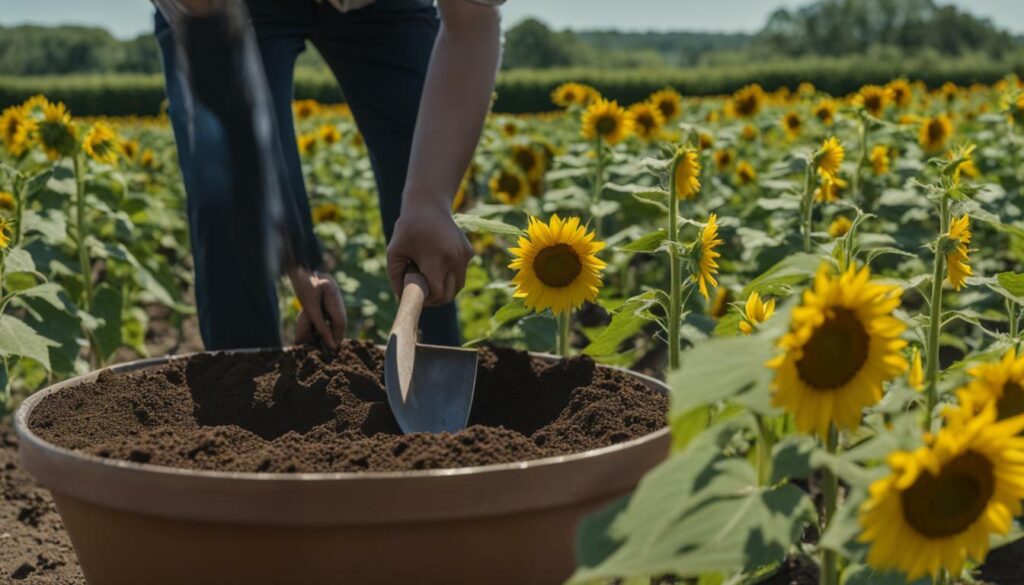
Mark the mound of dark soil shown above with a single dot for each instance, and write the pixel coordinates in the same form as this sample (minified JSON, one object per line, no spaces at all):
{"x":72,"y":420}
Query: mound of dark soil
{"x":307,"y":411}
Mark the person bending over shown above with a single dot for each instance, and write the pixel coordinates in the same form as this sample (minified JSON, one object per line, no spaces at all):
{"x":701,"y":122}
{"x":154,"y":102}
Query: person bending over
{"x":418,"y":79}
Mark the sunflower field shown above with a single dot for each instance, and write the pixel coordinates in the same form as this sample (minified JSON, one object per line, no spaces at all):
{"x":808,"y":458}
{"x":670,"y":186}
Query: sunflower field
{"x":830,"y":285}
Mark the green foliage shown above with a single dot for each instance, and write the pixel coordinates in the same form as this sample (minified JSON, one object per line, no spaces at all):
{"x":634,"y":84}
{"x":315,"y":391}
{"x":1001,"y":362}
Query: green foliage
{"x":842,"y":27}
{"x":529,"y":90}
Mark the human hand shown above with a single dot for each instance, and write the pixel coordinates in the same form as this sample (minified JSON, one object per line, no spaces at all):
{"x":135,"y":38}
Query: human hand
{"x":323,"y":309}
{"x":426,"y":235}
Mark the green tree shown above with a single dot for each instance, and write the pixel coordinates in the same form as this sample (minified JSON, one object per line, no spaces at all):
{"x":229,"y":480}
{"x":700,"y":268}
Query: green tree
{"x":532,"y":44}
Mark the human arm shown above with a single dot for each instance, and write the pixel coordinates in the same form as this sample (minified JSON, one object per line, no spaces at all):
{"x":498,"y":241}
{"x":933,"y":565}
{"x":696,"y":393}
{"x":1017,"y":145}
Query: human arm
{"x":455,"y":101}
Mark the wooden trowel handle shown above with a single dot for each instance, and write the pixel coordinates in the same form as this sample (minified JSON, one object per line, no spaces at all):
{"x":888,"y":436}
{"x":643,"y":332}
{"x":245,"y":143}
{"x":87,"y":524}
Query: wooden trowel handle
{"x":414,"y":293}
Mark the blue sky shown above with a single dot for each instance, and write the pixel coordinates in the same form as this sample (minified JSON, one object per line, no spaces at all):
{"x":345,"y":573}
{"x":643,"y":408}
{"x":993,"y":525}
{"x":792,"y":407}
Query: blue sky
{"x":126,"y":18}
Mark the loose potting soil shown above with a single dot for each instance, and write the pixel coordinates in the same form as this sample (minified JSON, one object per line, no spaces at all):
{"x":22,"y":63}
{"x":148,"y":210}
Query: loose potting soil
{"x":307,"y":411}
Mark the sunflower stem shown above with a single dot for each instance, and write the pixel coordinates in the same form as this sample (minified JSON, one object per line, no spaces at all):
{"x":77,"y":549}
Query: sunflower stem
{"x":83,"y":253}
{"x":1014,"y":317}
{"x":808,"y":207}
{"x":675,"y":277}
{"x":595,"y":196}
{"x":934,"y":324}
{"x":19,"y":195}
{"x":764,"y":454}
{"x":862,"y":157}
{"x":564,"y":331}
{"x":829,"y":559}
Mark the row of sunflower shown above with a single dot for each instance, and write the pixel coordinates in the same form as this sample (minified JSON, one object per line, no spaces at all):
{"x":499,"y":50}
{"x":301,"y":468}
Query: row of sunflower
{"x":828,"y":283}
{"x":90,"y":236}
{"x":846,"y":371}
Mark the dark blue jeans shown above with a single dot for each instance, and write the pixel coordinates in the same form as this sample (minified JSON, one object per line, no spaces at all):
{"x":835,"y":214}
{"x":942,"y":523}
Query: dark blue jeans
{"x":379,"y":55}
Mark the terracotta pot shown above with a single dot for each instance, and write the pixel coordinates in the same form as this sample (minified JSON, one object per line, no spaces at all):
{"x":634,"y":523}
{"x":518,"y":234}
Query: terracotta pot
{"x":513,"y":523}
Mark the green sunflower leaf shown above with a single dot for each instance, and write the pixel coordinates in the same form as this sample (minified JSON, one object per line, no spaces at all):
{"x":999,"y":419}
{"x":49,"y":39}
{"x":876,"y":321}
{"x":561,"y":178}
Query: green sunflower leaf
{"x":477,"y":224}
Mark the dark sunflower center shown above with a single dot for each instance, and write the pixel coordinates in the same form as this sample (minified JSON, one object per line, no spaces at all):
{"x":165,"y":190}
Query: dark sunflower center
{"x":835,"y":352}
{"x":667,"y":108}
{"x":873,"y":102}
{"x":509,"y":184}
{"x":1011,"y":403}
{"x":645,"y":121}
{"x":525,"y":160}
{"x":935,"y":131}
{"x":557,"y":266}
{"x":824,"y":114}
{"x":606,"y":125}
{"x":793,"y":122}
{"x":947,"y":504}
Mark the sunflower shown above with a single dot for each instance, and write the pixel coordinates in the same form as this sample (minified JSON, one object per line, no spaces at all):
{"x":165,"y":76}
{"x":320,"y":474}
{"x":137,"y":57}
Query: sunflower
{"x":608,"y":121}
{"x":745,"y":173}
{"x":304,"y":109}
{"x":572,"y":93}
{"x":5,"y":232}
{"x":842,"y":345}
{"x":101,"y":144}
{"x":7,"y":201}
{"x":900,"y":92}
{"x":755,"y":312}
{"x":647,"y":120}
{"x":129,"y":148}
{"x":306,"y":143}
{"x":35,"y":105}
{"x":940,"y":503}
{"x":806,"y":88}
{"x":510,"y":129}
{"x":528,"y":160}
{"x":16,"y":128}
{"x":147,"y":158}
{"x":825,"y":111}
{"x":328,"y":133}
{"x":747,"y":101}
{"x":915,"y":375}
{"x":749,"y":133}
{"x":58,"y":135}
{"x":880,"y":159}
{"x":720,"y":306}
{"x":723,"y":158}
{"x":792,"y":124}
{"x":956,"y":260}
{"x":839,"y":227}
{"x":966,"y":165}
{"x":705,"y":141}
{"x":668,"y":101}
{"x":1000,"y":383}
{"x":556,"y":263}
{"x":706,"y":267}
{"x":687,"y":173}
{"x":874,"y":98}
{"x":830,"y":190}
{"x":949,"y":91}
{"x":935,"y":132}
{"x":326,"y":213}
{"x":509,"y":186}
{"x":830,"y":157}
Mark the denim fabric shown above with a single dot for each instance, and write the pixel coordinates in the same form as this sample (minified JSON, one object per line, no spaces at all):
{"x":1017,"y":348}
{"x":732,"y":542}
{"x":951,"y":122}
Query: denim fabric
{"x":379,"y":55}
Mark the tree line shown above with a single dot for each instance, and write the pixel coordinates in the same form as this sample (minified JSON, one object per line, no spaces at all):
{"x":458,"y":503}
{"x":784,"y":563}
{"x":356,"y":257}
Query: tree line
{"x":892,"y":28}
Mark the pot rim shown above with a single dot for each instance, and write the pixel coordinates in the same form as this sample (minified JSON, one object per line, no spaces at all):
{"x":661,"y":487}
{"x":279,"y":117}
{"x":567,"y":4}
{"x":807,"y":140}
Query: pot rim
{"x":25,"y":434}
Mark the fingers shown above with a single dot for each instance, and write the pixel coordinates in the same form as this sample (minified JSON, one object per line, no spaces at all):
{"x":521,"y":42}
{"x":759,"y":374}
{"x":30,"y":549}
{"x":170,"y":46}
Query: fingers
{"x":335,"y":308}
{"x":398,"y":264}
{"x":435,"y":270}
{"x":315,"y":312}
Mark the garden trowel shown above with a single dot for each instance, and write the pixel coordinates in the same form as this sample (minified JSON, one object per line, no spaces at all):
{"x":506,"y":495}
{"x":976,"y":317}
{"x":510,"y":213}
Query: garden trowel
{"x":430,"y":388}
